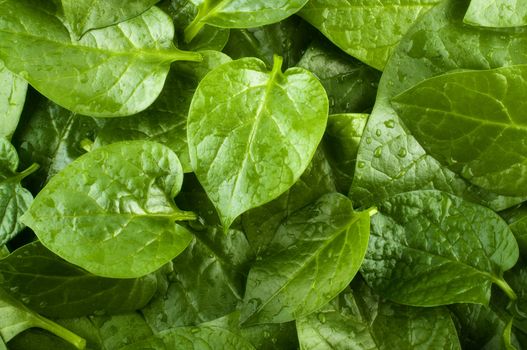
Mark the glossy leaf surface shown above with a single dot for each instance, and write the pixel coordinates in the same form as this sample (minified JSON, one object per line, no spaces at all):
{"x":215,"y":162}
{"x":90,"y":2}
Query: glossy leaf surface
{"x":12,"y":96}
{"x":496,"y":13}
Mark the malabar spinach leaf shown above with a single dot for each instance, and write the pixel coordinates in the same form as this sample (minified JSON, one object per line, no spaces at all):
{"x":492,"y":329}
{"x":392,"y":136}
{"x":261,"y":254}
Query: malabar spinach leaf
{"x":240,"y":13}
{"x":431,"y":248}
{"x":246,"y":125}
{"x":166,"y":120}
{"x":360,"y":319}
{"x":474,"y":123}
{"x":367,"y":30}
{"x":14,"y":199}
{"x":53,"y":287}
{"x":114,"y":71}
{"x":315,"y":254}
{"x":517,"y":219}
{"x":112,"y":212}
{"x":83,"y":15}
{"x":496,"y":13}
{"x":12,"y":96}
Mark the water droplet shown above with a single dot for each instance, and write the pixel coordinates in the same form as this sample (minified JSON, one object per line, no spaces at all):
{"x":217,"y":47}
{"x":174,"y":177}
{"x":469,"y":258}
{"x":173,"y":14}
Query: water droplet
{"x":378,"y":132}
{"x":194,"y":330}
{"x":267,"y":334}
{"x":254,"y":303}
{"x":361,"y":164}
{"x":321,"y":317}
{"x":378,"y":152}
{"x":390,"y":123}
{"x":368,"y":140}
{"x":43,"y":304}
{"x":402,"y":152}
{"x":14,"y":289}
{"x":25,"y":300}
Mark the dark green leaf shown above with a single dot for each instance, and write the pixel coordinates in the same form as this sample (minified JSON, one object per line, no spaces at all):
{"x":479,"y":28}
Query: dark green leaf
{"x":111,"y":211}
{"x":276,"y":121}
{"x":517,"y":219}
{"x":431,"y":248}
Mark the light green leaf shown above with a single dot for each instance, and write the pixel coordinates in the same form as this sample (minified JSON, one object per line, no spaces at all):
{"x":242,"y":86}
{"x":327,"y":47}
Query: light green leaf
{"x":390,"y":160}
{"x":474,"y":123}
{"x":55,"y":288}
{"x":367,"y":30}
{"x":359,"y":319}
{"x":431,"y":248}
{"x":14,"y":199}
{"x":497,"y":13}
{"x":111,"y":211}
{"x":12,"y":96}
{"x":83,"y":15}
{"x":16,"y":318}
{"x":115,"y":71}
{"x":246,"y":125}
{"x":313,"y":257}
{"x":240,"y":13}
{"x":166,"y":120}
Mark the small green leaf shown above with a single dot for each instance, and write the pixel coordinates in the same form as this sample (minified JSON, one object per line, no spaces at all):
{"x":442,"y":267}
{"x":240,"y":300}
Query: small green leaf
{"x":12,"y":96}
{"x":496,"y":13}
{"x":112,"y":212}
{"x":246,"y":125}
{"x":431,"y":248}
{"x":313,"y":257}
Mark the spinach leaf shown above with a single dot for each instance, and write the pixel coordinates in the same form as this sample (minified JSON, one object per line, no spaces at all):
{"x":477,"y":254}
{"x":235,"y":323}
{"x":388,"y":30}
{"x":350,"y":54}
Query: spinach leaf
{"x":359,"y":319}
{"x":83,"y":15}
{"x":496,"y":13}
{"x":390,"y":160}
{"x":14,"y":199}
{"x":240,"y":13}
{"x":51,"y":136}
{"x":368,"y":31}
{"x":166,"y":120}
{"x":275,"y":122}
{"x":12,"y":96}
{"x":111,"y":211}
{"x":122,"y":70}
{"x":288,"y":38}
{"x":431,"y":248}
{"x":517,"y":219}
{"x":350,"y":84}
{"x":313,"y":257}
{"x":15,"y":318}
{"x":472,"y":121}
{"x":182,"y":13}
{"x":55,"y":288}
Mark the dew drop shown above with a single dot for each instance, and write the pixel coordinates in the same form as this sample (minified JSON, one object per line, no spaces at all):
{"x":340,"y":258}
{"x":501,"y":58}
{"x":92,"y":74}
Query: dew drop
{"x":25,"y":300}
{"x":361,"y":164}
{"x":368,"y":140}
{"x":321,"y":317}
{"x":378,"y":152}
{"x":194,"y":330}
{"x":402,"y":152}
{"x":378,"y":132}
{"x":390,"y":123}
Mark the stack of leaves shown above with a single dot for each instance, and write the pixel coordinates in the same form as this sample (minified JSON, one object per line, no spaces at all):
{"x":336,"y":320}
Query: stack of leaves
{"x":250,"y":174}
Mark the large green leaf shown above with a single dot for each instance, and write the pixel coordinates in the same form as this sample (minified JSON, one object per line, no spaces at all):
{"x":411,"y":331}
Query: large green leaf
{"x":14,"y":199}
{"x":431,"y":248}
{"x":12,"y":96}
{"x":114,"y":71}
{"x":55,"y":288}
{"x":473,"y":122}
{"x":390,"y":160}
{"x":111,"y":211}
{"x":16,"y":318}
{"x":359,"y":319}
{"x":240,"y":13}
{"x":367,"y":30}
{"x":497,"y":13}
{"x":166,"y":120}
{"x":350,"y":84}
{"x":246,"y":125}
{"x":315,"y":254}
{"x":517,"y":219}
{"x":51,"y":136}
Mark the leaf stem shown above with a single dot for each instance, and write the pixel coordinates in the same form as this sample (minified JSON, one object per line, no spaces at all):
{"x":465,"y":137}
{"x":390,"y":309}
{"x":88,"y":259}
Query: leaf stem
{"x":25,"y":173}
{"x":504,"y":286}
{"x":58,"y":330}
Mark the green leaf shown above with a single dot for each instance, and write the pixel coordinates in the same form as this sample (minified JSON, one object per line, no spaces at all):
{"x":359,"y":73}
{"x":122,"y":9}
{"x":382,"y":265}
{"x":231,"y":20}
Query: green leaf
{"x":472,"y":121}
{"x":51,"y":136}
{"x":390,"y":160}
{"x":240,"y":13}
{"x":517,"y":220}
{"x":288,"y":38}
{"x":368,"y":31}
{"x":84,"y":15}
{"x":166,"y":120}
{"x":496,"y":13}
{"x":359,"y":319}
{"x":313,"y":257}
{"x":351,"y":85}
{"x":182,"y":13}
{"x":431,"y":248}
{"x":115,"y":206}
{"x":275,"y":122}
{"x":115,"y":71}
{"x":16,"y":318}
{"x":12,"y":96}
{"x":55,"y":288}
{"x":14,"y":199}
